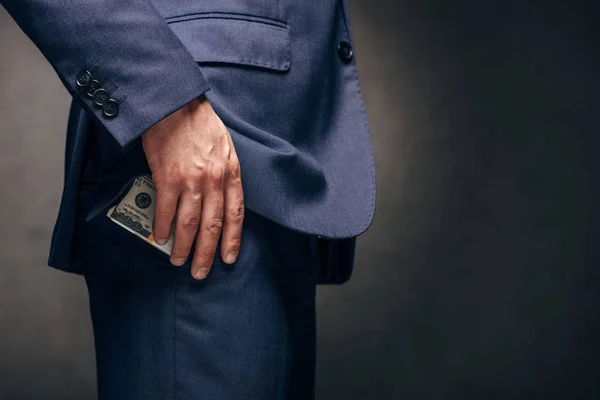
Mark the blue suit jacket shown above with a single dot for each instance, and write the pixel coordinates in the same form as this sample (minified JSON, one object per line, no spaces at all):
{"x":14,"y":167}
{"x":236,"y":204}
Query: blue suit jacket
{"x":280,"y":74}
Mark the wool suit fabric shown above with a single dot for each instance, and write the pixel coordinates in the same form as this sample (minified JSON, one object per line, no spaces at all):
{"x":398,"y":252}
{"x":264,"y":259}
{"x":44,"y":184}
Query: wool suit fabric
{"x":281,"y":75}
{"x":245,"y":332}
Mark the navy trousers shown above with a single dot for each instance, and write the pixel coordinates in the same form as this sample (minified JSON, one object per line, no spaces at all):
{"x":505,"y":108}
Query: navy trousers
{"x":245,"y":332}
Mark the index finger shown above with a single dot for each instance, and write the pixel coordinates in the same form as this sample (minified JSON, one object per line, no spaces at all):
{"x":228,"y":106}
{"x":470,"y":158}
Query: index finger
{"x":166,"y":205}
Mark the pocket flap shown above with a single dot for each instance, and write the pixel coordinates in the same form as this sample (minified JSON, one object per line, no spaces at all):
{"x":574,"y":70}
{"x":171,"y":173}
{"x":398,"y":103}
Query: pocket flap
{"x":224,"y":38}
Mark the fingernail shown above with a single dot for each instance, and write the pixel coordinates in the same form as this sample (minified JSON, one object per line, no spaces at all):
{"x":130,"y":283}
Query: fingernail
{"x":201,"y":273}
{"x":178,"y":261}
{"x":230,"y":257}
{"x":161,"y":242}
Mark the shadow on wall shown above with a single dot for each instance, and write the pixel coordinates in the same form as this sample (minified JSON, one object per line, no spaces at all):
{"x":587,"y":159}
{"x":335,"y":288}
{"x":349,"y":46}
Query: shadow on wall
{"x":478,"y":278}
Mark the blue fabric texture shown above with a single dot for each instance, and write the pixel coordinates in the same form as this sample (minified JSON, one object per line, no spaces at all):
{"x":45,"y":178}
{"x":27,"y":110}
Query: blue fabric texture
{"x":271,"y":71}
{"x":245,"y":332}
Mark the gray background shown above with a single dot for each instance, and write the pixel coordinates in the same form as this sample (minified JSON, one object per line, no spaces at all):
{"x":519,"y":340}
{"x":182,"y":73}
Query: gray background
{"x":479,"y":277}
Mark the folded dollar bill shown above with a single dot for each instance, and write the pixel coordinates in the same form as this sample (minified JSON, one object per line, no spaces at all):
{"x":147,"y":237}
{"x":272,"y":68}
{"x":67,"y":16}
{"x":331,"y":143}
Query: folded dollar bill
{"x":135,"y":212}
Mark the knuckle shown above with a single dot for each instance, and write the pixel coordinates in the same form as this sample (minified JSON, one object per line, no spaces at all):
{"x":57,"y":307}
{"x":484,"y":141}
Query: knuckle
{"x":163,"y":215}
{"x":196,"y":174}
{"x":237,"y":213}
{"x":196,"y":195}
{"x":185,"y":178}
{"x":199,"y":167}
{"x":189,"y":222}
{"x":233,"y":243}
{"x":173,"y":180}
{"x":205,"y":257}
{"x":192,"y":186}
{"x":166,"y":194}
{"x":217,"y":173}
{"x":235,"y":170}
{"x":214,"y":227}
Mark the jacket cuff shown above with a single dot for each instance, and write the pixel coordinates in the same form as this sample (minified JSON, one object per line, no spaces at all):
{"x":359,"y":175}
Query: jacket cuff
{"x":126,"y":118}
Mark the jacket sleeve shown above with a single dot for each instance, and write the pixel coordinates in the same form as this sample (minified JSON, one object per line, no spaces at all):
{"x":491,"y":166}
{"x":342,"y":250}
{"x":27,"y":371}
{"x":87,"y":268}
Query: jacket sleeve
{"x":119,"y":59}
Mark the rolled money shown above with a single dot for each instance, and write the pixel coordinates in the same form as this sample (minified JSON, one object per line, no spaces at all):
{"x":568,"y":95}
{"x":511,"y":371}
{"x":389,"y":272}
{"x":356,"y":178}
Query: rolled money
{"x":135,"y":212}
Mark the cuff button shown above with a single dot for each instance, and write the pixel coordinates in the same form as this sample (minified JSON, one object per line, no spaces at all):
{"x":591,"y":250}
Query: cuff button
{"x":92,"y":87}
{"x":83,"y":78}
{"x":100,"y":97}
{"x":110,"y":108}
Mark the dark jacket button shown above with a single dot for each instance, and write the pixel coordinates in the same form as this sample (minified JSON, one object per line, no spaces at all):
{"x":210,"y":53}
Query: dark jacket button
{"x":100,"y":97}
{"x":345,"y":51}
{"x":110,"y":108}
{"x":83,"y":78}
{"x":92,"y":87}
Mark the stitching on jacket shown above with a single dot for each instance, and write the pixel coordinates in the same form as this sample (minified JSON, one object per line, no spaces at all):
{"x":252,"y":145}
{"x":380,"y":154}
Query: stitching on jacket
{"x":368,"y":138}
{"x":280,"y":65}
{"x":283,"y":66}
{"x":226,"y":15}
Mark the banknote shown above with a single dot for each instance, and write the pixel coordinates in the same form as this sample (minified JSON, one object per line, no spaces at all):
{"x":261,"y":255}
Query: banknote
{"x":135,"y":212}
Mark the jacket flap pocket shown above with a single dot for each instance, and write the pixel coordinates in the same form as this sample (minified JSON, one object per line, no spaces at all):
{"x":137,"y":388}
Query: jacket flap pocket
{"x":234,"y":39}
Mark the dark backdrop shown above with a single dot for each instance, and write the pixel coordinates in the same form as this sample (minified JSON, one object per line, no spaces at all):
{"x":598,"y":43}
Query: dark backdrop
{"x":479,"y":276}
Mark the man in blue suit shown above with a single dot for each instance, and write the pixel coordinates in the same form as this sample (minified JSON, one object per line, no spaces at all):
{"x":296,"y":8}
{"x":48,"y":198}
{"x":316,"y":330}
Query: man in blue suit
{"x":248,"y":116}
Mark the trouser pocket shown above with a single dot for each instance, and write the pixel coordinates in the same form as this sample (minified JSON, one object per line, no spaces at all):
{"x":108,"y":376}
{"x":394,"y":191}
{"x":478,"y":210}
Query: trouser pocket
{"x":102,"y":243}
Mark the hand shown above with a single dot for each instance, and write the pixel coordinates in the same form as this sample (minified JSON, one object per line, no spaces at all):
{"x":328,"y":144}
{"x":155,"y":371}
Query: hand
{"x":197,"y":177}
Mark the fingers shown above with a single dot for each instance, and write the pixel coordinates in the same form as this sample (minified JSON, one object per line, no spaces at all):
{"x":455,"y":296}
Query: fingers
{"x":166,"y":204}
{"x":184,"y":161}
{"x":234,"y":216}
{"x":211,"y":224}
{"x":188,"y":220}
